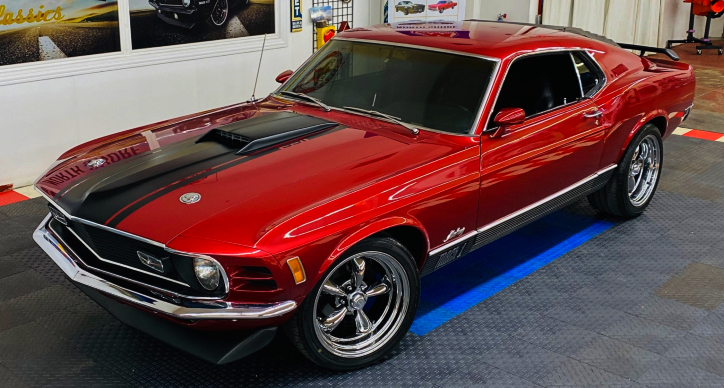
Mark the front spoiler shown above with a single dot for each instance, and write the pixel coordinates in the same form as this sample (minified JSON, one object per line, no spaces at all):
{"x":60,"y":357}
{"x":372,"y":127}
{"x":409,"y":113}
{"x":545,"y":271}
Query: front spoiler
{"x":218,"y":347}
{"x":64,"y":257}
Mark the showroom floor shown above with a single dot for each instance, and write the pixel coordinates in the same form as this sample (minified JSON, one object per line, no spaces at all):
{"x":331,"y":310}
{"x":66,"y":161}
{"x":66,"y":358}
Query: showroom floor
{"x":575,"y":299}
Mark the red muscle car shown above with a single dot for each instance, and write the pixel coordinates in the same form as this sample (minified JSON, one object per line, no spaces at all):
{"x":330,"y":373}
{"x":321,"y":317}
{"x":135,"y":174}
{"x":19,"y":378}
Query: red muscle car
{"x":442,"y":5}
{"x":319,"y":208}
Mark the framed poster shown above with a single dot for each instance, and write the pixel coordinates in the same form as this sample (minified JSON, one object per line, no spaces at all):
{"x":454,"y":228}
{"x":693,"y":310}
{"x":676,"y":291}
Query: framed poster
{"x":159,"y":23}
{"x":41,"y":30}
{"x":425,"y":10}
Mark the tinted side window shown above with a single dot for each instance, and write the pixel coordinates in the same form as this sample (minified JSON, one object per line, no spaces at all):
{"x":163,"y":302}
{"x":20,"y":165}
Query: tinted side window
{"x":539,"y":83}
{"x":591,"y":77}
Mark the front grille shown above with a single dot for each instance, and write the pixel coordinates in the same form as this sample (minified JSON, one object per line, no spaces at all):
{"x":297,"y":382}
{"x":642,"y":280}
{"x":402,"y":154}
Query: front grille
{"x":119,"y":249}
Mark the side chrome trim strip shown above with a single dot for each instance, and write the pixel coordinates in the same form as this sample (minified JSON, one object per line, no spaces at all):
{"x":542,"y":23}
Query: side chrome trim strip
{"x":454,"y":242}
{"x":521,"y":211}
{"x":199,"y":310}
{"x":546,"y":199}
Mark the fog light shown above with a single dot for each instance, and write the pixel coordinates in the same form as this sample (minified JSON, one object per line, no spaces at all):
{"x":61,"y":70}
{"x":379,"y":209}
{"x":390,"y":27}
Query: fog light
{"x":187,"y":3}
{"x":207,"y":272}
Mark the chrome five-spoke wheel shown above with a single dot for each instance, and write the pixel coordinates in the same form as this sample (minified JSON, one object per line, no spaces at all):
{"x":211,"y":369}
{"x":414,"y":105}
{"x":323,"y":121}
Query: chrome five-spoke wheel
{"x":644,"y":170}
{"x":633,"y":181}
{"x":361,"y":308}
{"x":361,"y":304}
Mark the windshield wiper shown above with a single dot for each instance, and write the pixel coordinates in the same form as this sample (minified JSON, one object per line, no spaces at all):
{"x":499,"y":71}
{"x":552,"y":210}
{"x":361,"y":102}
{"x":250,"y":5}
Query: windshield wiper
{"x":303,"y":96}
{"x":394,"y":119}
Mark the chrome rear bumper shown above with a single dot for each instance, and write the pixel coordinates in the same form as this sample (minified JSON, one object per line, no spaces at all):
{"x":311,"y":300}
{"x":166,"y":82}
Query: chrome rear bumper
{"x":66,"y":260}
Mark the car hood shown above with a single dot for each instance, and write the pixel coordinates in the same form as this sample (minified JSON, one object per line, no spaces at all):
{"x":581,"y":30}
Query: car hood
{"x":148,"y":173}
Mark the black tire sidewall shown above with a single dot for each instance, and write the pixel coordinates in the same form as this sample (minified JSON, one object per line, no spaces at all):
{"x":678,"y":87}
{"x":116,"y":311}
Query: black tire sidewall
{"x":304,"y":316}
{"x":623,"y":170}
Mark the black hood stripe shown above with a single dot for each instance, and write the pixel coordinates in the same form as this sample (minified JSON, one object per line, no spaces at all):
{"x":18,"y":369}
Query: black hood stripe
{"x":114,"y":192}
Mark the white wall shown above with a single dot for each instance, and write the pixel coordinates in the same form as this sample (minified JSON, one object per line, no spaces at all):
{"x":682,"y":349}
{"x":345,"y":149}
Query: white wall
{"x":42,"y":119}
{"x":517,"y":10}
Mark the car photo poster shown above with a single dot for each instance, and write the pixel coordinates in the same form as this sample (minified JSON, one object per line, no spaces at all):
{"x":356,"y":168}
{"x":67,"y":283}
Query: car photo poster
{"x":41,"y":30}
{"x":425,"y":10}
{"x":158,"y":23}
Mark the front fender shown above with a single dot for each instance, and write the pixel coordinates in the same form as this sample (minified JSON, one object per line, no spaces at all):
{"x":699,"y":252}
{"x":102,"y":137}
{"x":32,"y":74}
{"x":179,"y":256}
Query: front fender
{"x":368,"y":230}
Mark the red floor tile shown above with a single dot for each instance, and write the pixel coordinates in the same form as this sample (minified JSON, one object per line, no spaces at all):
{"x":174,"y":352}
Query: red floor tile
{"x":704,"y":135}
{"x":9,"y":197}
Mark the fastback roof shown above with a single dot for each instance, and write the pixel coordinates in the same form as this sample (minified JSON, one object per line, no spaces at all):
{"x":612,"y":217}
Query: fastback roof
{"x":488,"y":38}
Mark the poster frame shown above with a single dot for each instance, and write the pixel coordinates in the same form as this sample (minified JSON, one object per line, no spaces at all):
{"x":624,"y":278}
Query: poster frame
{"x":128,"y":58}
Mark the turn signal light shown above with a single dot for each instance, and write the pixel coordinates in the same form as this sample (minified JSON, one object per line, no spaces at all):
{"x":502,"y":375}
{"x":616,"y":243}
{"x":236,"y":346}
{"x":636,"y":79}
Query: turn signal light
{"x":297,"y":270}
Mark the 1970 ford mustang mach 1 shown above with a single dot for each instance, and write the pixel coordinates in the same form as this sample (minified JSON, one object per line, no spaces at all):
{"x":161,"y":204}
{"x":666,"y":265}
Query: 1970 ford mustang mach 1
{"x":318,"y":208}
{"x":442,"y":5}
{"x":408,"y":7}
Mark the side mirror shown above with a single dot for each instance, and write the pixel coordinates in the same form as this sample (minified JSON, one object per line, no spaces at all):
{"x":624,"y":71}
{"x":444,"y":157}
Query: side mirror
{"x":505,"y":118}
{"x":284,"y":76}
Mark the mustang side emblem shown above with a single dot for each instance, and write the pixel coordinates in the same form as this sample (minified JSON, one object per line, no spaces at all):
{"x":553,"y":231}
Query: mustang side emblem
{"x":454,"y":233}
{"x":95,"y":163}
{"x":150,"y":261}
{"x":190,"y":198}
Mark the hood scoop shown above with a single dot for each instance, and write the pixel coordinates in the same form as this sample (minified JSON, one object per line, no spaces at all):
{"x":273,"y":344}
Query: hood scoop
{"x":265,"y":130}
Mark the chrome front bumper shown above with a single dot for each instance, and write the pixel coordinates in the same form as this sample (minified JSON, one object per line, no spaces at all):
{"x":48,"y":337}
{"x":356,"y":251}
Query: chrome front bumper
{"x":67,"y":261}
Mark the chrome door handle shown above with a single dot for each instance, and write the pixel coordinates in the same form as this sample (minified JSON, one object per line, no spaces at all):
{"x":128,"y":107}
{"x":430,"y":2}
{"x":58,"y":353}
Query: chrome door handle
{"x":596,"y":114}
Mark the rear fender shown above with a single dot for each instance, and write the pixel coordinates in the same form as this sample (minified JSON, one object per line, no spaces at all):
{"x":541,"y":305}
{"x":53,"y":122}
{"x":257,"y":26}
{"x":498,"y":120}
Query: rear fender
{"x":645,"y":119}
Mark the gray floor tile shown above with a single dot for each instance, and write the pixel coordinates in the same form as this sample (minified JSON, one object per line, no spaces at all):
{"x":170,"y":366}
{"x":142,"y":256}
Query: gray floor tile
{"x":523,"y":359}
{"x":557,"y":336}
{"x":644,"y":334}
{"x":668,"y":312}
{"x":574,"y":373}
{"x":21,"y":284}
{"x":699,"y":352}
{"x":617,"y":357}
{"x":585,"y":314}
{"x":669,"y":373}
{"x":485,"y":376}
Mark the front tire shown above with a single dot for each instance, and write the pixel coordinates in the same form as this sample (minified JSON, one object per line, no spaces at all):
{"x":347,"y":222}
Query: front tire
{"x":635,"y":179}
{"x":361,"y":309}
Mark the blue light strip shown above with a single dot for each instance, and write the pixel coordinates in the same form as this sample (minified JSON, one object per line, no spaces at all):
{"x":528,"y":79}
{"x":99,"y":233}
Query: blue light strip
{"x":461,"y":285}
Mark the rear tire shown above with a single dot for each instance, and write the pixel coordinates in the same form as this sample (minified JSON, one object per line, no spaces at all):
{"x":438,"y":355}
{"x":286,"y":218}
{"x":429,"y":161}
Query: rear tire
{"x":337,"y":327}
{"x":634,"y":181}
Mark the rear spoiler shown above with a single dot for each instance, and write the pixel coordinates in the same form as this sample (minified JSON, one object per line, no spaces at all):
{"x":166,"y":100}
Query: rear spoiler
{"x":644,"y":49}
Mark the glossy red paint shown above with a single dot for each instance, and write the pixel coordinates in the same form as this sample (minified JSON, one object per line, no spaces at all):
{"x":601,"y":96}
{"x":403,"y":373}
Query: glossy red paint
{"x":442,"y":5}
{"x":316,"y":196}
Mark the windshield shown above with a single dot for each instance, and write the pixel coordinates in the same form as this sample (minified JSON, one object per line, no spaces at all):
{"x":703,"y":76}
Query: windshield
{"x":430,"y":89}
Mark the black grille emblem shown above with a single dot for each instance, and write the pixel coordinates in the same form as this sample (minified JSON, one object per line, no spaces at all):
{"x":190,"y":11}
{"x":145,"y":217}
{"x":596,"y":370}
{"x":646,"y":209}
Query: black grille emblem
{"x":58,"y":215}
{"x":150,"y":261}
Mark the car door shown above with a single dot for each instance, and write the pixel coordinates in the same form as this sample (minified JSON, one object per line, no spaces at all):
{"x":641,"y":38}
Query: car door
{"x":557,"y":146}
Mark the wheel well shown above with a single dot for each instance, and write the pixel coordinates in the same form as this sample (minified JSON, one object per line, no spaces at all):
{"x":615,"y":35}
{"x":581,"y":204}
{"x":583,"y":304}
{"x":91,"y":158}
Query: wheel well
{"x":660,"y":123}
{"x":412,"y":238}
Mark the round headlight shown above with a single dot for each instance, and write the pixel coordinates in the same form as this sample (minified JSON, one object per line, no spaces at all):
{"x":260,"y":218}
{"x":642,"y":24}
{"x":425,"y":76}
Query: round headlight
{"x":187,"y":3}
{"x":207,"y":272}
